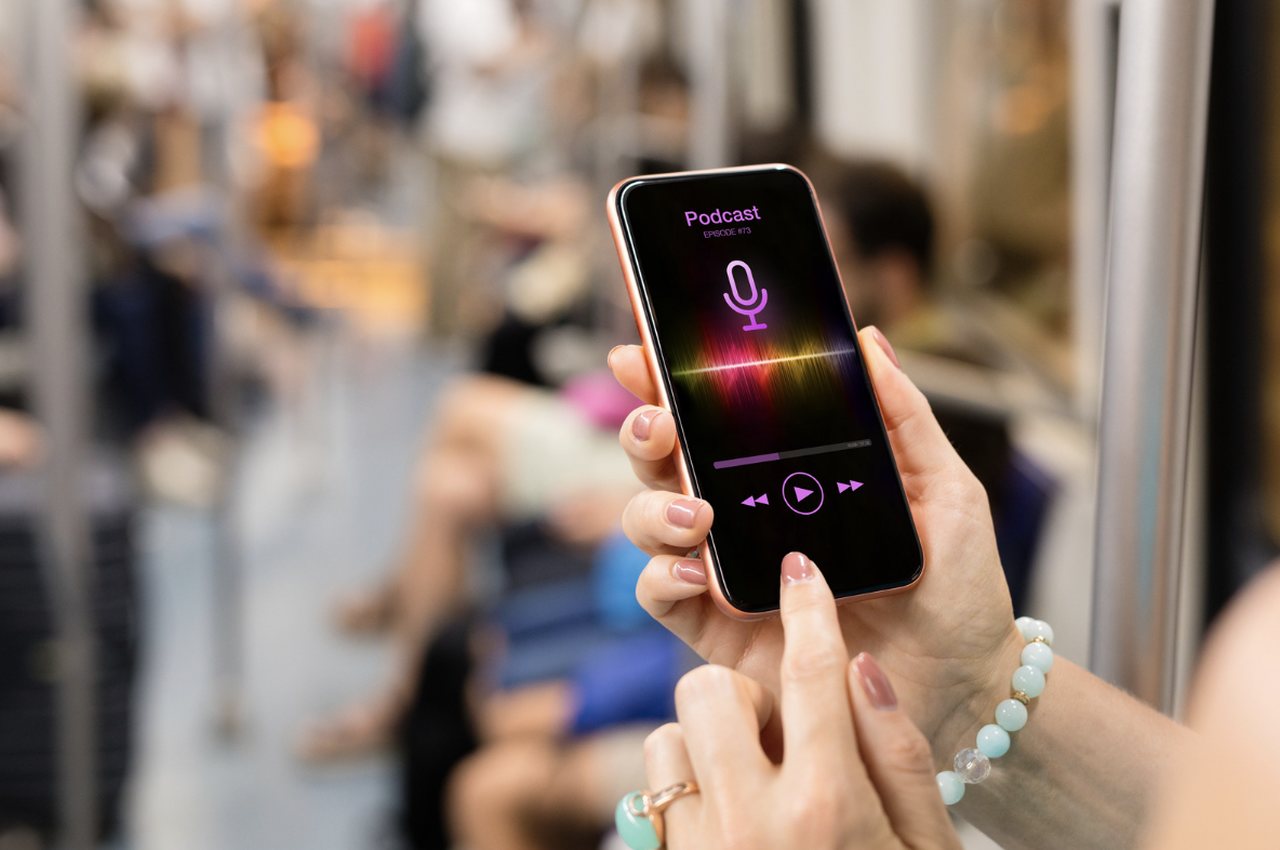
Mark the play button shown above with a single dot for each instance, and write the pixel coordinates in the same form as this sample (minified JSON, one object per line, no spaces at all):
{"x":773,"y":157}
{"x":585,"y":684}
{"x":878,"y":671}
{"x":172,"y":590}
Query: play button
{"x":802,"y":493}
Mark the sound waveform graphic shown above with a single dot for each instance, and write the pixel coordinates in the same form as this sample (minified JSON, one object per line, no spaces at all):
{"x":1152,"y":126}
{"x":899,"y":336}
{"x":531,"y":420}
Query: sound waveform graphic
{"x":790,"y":358}
{"x":742,"y":374}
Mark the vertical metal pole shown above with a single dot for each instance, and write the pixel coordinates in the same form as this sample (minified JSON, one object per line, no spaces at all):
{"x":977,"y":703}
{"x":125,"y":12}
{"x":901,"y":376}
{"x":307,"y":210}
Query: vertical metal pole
{"x":1153,"y":274}
{"x":56,"y":331}
{"x":228,"y":560}
{"x":1092,"y":100}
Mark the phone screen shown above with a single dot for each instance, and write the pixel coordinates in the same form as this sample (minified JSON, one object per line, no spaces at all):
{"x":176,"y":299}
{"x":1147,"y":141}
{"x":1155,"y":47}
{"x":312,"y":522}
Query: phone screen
{"x":776,"y":414}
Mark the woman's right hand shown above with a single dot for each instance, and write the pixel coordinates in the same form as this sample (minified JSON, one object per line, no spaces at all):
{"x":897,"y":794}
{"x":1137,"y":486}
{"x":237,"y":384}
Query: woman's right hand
{"x":949,"y":643}
{"x":855,"y":774}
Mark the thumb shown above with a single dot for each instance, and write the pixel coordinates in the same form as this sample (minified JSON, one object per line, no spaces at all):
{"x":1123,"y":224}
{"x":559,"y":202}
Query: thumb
{"x":919,"y":444}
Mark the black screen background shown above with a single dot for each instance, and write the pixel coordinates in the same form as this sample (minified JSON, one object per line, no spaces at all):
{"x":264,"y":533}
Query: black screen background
{"x":811,"y":390}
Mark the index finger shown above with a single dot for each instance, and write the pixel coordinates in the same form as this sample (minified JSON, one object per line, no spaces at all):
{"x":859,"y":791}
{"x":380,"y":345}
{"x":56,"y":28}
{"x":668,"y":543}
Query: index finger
{"x":817,"y":721}
{"x":630,"y":367}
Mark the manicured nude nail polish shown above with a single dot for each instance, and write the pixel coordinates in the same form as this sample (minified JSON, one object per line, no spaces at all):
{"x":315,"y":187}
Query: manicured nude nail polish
{"x":642,"y":425}
{"x":683,"y":513}
{"x":875,"y":683}
{"x":883,"y":342}
{"x":796,"y":567}
{"x":690,"y":571}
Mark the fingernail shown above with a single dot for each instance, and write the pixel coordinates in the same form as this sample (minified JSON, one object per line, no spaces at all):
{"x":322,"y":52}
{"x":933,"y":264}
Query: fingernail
{"x":608,"y":358}
{"x":875,"y":683}
{"x":796,"y":567}
{"x":883,"y":342}
{"x":683,"y":512}
{"x":689,"y":571}
{"x":642,"y":425}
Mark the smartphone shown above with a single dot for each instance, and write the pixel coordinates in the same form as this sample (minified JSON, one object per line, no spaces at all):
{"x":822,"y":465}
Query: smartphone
{"x":749,"y":336}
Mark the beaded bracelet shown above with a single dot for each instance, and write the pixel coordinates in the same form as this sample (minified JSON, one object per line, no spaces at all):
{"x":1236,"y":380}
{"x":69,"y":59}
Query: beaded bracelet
{"x":973,"y":765}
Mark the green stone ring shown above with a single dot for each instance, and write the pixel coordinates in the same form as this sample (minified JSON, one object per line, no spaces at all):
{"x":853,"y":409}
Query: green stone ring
{"x":639,"y":815}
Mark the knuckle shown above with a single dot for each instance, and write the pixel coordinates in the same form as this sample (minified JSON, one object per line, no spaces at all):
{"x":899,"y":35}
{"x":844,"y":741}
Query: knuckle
{"x":660,"y":740}
{"x":961,"y":491}
{"x":815,"y":661}
{"x":810,"y":606}
{"x":736,"y":832}
{"x":819,"y":813}
{"x":909,"y":751}
{"x":703,"y":681}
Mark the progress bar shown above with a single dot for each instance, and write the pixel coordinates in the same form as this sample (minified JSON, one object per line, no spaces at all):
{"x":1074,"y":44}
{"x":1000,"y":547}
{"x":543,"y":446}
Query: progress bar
{"x":772,"y":456}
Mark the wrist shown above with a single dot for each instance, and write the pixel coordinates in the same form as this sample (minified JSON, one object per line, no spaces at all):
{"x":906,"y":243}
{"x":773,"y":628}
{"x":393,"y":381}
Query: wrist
{"x":975,"y":699}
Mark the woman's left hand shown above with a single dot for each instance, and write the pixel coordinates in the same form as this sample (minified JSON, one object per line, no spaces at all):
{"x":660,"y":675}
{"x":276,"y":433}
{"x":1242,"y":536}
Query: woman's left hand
{"x":855,"y":772}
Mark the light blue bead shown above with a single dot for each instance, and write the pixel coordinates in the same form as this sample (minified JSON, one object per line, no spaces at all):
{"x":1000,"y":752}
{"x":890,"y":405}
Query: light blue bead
{"x":993,"y":741}
{"x":1011,"y":715}
{"x":1046,"y":632}
{"x":1029,"y":680}
{"x":1038,"y":655}
{"x":950,"y":786}
{"x":635,"y":830}
{"x":1025,"y":627}
{"x":1038,"y":629}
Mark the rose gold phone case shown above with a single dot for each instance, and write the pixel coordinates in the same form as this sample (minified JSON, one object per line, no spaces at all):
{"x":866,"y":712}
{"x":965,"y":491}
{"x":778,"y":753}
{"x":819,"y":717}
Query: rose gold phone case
{"x":627,"y":261}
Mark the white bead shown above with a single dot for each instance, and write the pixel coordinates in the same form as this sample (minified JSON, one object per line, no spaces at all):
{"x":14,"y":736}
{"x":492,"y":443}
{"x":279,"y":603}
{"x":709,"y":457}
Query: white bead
{"x":972,"y":765}
{"x":1025,"y":626}
{"x":1038,"y":655}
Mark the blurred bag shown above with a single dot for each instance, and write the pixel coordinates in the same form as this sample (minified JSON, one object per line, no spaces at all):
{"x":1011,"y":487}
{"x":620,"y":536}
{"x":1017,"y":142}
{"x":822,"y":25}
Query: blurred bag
{"x":28,"y":721}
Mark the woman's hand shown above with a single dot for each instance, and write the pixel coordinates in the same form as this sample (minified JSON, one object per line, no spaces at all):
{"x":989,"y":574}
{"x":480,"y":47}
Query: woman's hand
{"x":856,"y":772}
{"x":949,"y":643}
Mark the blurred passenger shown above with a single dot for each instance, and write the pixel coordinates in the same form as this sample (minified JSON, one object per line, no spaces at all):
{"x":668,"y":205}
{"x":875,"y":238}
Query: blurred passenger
{"x":883,"y":233}
{"x":490,"y":70}
{"x":553,"y":752}
{"x":157,"y":158}
{"x":499,"y":451}
{"x":581,"y":679}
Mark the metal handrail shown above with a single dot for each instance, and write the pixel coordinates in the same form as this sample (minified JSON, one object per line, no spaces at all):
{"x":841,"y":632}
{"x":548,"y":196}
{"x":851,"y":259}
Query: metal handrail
{"x":1153,"y":275}
{"x":57,"y":335}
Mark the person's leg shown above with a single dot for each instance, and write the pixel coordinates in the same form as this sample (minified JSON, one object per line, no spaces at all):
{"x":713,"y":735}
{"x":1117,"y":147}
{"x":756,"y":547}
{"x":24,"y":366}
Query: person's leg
{"x":456,"y":491}
{"x":454,"y":494}
{"x":454,"y":487}
{"x":491,"y":795}
{"x":531,"y":794}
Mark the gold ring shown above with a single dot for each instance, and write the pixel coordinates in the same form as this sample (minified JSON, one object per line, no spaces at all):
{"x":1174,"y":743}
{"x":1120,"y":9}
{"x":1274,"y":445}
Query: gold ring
{"x":664,"y":798}
{"x":639,"y":815}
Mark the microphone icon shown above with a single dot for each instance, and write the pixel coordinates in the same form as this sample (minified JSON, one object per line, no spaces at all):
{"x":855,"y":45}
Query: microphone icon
{"x":746,"y":306}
